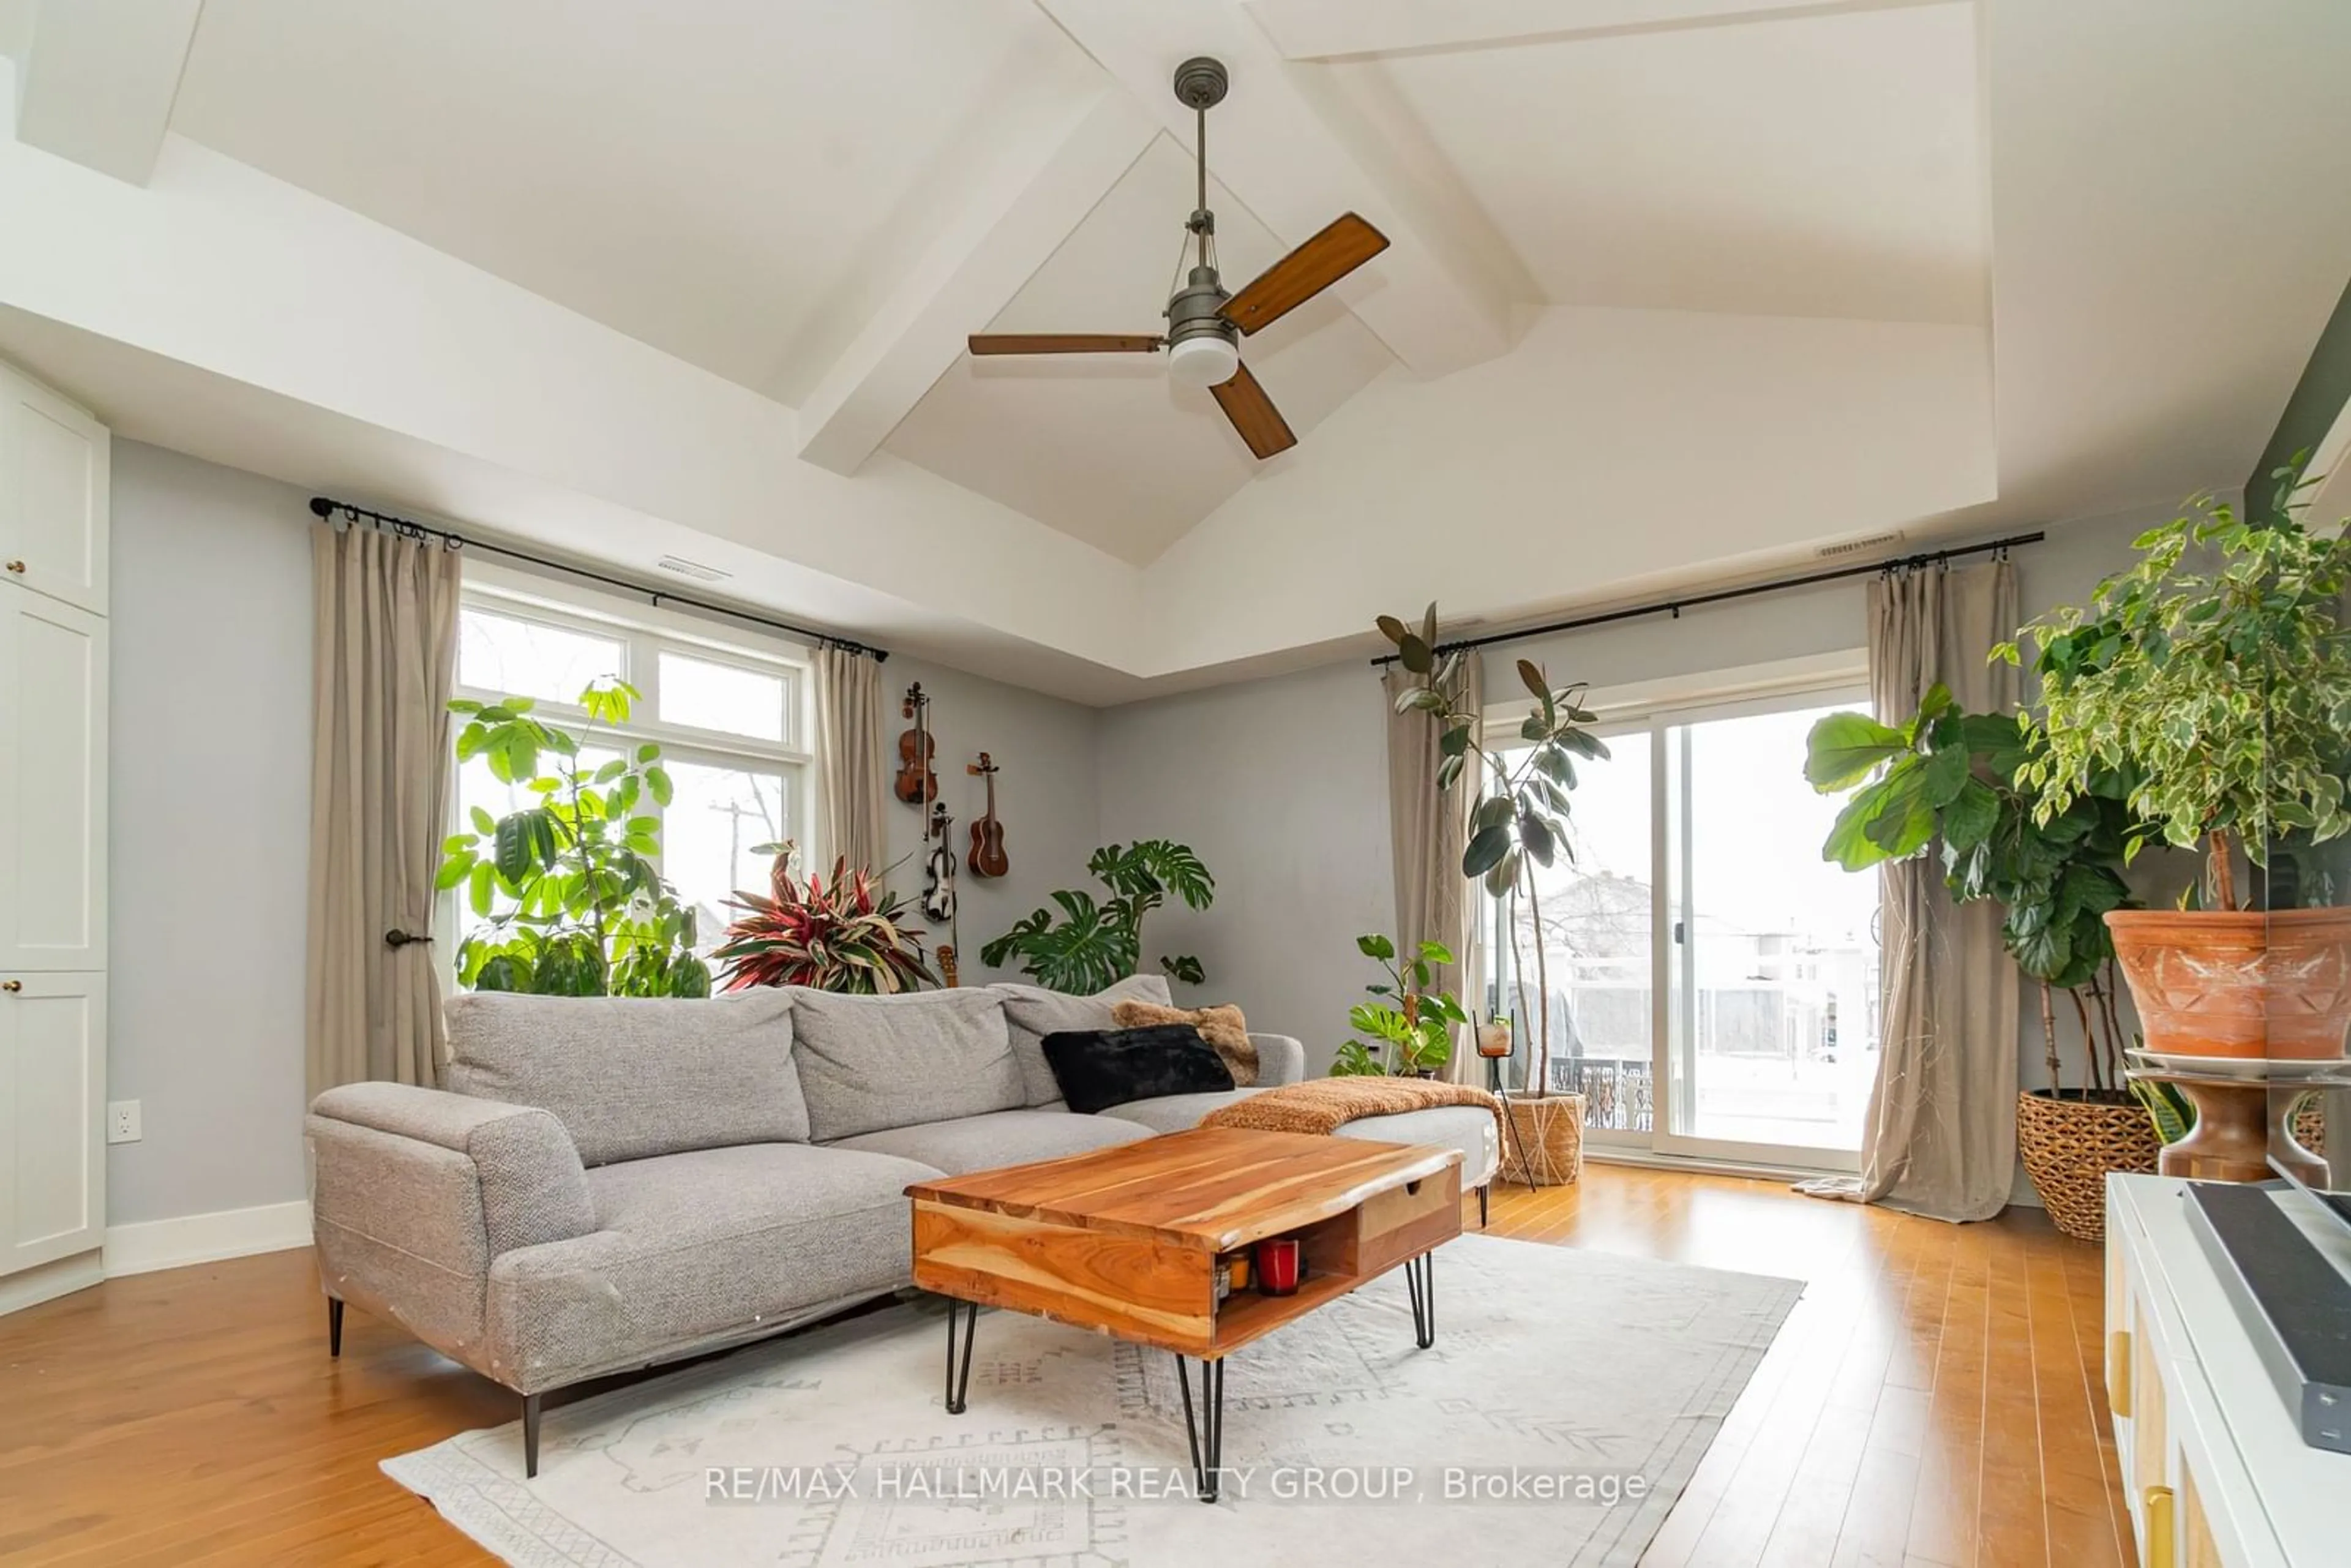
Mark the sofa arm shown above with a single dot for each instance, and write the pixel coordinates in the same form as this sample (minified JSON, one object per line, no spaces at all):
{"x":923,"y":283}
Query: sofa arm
{"x":524,"y":1171}
{"x":1280,"y":1059}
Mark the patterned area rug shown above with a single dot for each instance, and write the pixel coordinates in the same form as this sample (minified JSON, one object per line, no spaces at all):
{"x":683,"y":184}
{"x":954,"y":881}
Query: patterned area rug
{"x":1567,"y":1398}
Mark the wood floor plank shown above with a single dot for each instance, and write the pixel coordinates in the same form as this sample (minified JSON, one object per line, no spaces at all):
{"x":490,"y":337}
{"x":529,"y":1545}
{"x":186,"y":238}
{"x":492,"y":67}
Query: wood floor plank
{"x":1933,"y":1401}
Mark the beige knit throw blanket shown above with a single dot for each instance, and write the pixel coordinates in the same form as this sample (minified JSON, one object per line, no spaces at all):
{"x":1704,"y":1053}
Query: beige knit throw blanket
{"x":1323,"y":1104}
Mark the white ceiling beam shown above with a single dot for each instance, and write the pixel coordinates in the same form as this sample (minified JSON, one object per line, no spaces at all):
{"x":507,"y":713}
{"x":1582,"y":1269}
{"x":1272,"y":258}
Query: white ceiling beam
{"x":1338,"y":29}
{"x":98,"y":82}
{"x":1016,"y":217}
{"x":1291,"y":157}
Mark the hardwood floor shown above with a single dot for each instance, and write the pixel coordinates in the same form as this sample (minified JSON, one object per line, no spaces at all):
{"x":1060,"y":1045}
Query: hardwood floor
{"x":1934,"y":1399}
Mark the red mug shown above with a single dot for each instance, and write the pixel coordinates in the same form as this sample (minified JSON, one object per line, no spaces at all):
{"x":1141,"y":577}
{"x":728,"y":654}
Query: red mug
{"x":1279,"y":1266}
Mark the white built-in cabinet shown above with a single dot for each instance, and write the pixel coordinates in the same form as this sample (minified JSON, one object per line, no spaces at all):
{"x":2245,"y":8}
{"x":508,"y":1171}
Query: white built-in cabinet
{"x":53,"y":649}
{"x":2212,"y":1464}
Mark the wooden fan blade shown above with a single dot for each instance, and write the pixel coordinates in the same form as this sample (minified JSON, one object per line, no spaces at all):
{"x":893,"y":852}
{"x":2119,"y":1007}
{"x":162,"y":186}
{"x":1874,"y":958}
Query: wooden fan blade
{"x":1063,"y":343}
{"x":1345,"y":244}
{"x":1253,"y":414}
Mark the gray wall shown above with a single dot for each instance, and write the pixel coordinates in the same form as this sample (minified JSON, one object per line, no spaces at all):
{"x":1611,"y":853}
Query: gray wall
{"x":209,"y":829}
{"x":1045,"y":798}
{"x":1281,"y":784}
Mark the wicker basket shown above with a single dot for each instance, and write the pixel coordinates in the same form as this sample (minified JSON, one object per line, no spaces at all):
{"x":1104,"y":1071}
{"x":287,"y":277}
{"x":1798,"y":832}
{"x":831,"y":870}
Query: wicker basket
{"x":1546,"y":1147}
{"x":2069,"y":1145}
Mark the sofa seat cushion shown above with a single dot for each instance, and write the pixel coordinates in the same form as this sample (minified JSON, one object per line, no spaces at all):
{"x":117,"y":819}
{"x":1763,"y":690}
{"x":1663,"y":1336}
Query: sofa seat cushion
{"x":1032,"y":1012}
{"x":1176,"y":1112}
{"x":999,"y":1138}
{"x":1469,"y":1128}
{"x":698,"y":1248}
{"x":871,"y":1062}
{"x":631,"y":1078}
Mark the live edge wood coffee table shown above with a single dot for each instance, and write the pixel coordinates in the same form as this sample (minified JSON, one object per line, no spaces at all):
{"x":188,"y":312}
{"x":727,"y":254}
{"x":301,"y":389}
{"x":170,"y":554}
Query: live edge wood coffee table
{"x":1125,"y":1241}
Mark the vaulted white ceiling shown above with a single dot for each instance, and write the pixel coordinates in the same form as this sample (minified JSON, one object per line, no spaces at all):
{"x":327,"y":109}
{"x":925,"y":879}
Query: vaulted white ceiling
{"x":1679,"y":289}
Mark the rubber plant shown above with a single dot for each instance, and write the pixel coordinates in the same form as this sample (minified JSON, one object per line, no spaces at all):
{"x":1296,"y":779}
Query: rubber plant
{"x":1518,"y":821}
{"x":2215,"y":671}
{"x":842,"y":934}
{"x":1410,"y":1023}
{"x":1093,"y":944}
{"x":1946,"y":782}
{"x":567,"y":888}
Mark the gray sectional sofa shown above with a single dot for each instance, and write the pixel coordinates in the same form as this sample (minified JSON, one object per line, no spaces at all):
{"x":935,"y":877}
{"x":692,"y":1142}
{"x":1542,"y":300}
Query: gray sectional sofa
{"x":608,"y":1184}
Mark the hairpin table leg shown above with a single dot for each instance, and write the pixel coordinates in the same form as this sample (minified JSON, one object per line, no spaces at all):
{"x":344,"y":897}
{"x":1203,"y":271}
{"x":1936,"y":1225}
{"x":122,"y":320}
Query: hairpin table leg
{"x":959,"y":1379}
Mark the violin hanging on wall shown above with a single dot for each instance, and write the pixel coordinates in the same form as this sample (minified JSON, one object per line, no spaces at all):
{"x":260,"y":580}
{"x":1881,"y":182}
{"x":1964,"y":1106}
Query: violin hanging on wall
{"x":916,"y":785}
{"x":938,"y":900}
{"x":987,"y":857}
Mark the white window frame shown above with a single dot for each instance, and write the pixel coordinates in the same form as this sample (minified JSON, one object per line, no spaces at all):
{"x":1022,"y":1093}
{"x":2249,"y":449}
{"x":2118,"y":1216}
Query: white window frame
{"x":1651,"y":709}
{"x":645,"y":632}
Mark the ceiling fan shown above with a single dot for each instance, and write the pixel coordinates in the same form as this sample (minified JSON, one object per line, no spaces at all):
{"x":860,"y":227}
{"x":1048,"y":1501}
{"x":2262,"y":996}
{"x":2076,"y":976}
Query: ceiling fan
{"x":1205,"y":324}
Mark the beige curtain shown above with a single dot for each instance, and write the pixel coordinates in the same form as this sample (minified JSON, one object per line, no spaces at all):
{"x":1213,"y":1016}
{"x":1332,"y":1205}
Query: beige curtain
{"x":384,"y":652}
{"x":1940,"y":1134}
{"x":1427,"y":830}
{"x":849,"y":718}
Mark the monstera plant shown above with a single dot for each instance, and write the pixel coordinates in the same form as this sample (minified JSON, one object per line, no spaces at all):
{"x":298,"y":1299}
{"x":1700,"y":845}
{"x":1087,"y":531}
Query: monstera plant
{"x":1094,"y":945}
{"x":842,"y":934}
{"x":567,"y":888}
{"x":1410,"y":1024}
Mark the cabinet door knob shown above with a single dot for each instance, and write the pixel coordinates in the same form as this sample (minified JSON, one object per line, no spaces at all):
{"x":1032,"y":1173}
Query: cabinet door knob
{"x":17,"y":567}
{"x":12,"y":987}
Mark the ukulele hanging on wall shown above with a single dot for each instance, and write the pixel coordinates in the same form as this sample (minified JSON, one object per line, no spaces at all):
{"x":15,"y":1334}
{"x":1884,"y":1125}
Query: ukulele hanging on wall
{"x":987,"y":857}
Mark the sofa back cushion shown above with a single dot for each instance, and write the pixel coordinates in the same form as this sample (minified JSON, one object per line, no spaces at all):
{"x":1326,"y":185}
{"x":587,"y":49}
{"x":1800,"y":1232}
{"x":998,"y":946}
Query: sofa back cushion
{"x":867,"y":1063}
{"x":1032,"y":1012}
{"x":633,"y":1077}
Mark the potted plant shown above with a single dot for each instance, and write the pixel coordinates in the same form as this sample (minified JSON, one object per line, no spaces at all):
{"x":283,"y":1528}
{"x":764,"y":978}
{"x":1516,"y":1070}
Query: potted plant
{"x":2215,"y":673}
{"x":1948,"y":779}
{"x":572,"y":902}
{"x":1410,"y":1024}
{"x":1517,"y":823}
{"x":846,"y":935}
{"x":1094,"y":945}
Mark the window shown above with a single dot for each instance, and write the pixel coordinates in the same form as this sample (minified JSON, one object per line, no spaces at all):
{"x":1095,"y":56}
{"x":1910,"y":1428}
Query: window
{"x":730,"y":717}
{"x":1711,"y":982}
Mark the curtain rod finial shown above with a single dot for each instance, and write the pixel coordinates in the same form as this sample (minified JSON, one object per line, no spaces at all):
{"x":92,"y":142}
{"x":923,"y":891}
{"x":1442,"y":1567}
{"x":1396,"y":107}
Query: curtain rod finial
{"x":321,"y":507}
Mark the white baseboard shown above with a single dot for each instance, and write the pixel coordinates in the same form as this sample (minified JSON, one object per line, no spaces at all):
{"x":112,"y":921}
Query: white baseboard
{"x":206,"y":1238}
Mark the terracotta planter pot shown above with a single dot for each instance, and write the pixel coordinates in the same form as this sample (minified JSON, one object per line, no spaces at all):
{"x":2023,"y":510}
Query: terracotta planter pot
{"x":2069,"y":1145}
{"x":2213,"y":982}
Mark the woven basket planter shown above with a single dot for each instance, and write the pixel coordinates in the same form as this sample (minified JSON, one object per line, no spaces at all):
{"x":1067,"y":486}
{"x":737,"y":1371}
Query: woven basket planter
{"x":2069,"y":1145}
{"x":1546,"y":1147}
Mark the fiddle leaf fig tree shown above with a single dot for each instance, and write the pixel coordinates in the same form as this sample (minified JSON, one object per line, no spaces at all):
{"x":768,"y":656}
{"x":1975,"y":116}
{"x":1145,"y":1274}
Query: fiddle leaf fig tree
{"x":2217,"y":670}
{"x":1955,"y":779}
{"x":1520,"y":820}
{"x":567,"y":887}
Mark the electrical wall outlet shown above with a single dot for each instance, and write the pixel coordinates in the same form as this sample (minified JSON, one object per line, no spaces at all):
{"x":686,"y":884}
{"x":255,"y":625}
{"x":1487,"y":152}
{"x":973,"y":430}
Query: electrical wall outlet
{"x":122,"y":1122}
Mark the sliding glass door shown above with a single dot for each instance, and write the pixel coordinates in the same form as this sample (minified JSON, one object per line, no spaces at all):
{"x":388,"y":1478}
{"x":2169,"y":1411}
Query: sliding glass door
{"x":1710,"y":982}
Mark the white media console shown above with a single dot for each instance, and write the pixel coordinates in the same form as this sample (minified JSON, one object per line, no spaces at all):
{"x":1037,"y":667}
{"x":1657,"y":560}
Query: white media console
{"x":2212,"y":1462}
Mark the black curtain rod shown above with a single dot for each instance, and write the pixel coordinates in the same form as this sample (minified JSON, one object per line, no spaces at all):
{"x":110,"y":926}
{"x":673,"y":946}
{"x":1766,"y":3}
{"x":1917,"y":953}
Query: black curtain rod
{"x":1675,"y":606}
{"x":323,"y":507}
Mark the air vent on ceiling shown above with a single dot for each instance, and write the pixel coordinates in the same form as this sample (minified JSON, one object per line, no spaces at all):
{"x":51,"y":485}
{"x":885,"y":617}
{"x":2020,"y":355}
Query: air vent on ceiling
{"x":692,"y":569}
{"x":1868,"y":544}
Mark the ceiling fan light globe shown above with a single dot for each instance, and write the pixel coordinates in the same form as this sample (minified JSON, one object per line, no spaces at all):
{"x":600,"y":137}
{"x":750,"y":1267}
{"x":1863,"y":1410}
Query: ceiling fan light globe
{"x":1203,"y":361}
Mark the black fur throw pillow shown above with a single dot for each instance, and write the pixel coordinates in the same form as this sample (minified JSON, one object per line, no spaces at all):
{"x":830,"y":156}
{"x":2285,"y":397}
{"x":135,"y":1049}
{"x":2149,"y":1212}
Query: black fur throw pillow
{"x":1099,"y":1068}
